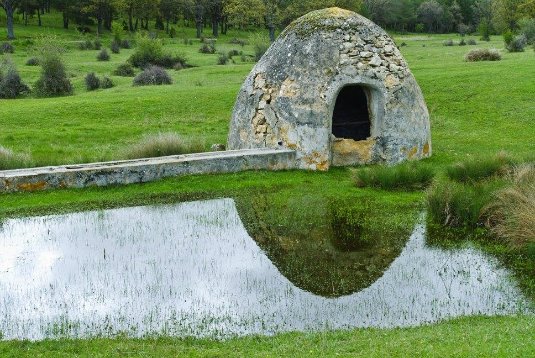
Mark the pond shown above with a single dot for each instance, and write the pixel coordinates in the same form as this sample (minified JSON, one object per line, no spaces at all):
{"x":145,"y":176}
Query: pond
{"x":192,"y":269}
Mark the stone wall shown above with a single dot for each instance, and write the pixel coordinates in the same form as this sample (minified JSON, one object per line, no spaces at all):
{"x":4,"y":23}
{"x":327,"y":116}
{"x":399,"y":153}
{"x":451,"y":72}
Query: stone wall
{"x":144,"y":170}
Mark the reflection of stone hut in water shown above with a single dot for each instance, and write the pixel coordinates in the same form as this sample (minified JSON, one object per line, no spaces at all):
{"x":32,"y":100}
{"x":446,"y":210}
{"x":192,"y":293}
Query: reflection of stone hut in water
{"x":335,"y":88}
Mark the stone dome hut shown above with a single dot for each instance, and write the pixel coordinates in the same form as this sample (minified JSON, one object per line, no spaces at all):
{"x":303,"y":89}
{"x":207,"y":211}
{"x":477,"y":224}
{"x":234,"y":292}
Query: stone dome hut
{"x":335,"y":88}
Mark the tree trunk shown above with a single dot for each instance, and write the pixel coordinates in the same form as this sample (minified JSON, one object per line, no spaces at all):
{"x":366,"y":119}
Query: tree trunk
{"x":9,"y":14}
{"x":39,"y":17}
{"x":215,"y":27}
{"x":167,"y":26}
{"x":271,"y":29}
{"x":65,"y":21}
{"x":99,"y":25}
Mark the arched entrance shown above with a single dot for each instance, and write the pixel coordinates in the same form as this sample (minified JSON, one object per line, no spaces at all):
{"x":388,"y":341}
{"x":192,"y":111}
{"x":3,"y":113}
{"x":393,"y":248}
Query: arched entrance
{"x":351,"y":115}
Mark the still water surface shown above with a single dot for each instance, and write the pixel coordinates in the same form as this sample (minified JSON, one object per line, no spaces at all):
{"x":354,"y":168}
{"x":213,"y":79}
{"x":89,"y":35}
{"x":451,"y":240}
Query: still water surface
{"x":191,"y":269}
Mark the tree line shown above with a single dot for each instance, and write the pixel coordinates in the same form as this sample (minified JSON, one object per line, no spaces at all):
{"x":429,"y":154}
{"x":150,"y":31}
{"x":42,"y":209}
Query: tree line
{"x":218,"y":15}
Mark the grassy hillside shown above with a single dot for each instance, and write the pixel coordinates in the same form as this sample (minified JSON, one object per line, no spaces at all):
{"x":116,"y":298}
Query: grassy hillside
{"x":476,"y":109}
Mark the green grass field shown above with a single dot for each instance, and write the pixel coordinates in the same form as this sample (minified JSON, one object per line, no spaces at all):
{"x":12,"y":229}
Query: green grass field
{"x":476,"y":109}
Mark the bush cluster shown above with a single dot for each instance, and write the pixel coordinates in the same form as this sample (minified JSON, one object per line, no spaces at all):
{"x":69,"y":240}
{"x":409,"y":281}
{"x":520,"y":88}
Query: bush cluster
{"x":208,"y":48}
{"x":11,"y":85}
{"x":115,"y":47}
{"x":90,"y":45}
{"x":477,"y":169}
{"x":124,"y":70}
{"x":163,"y":144}
{"x":448,"y":42}
{"x":151,"y":76}
{"x":483,"y":54}
{"x":6,"y":47}
{"x":92,"y":82}
{"x":150,"y":52}
{"x":233,"y":53}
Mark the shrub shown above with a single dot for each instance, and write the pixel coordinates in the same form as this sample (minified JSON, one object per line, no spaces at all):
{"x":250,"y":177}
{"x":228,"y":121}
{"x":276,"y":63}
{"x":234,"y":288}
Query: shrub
{"x":511,"y":212}
{"x":150,"y":52}
{"x":471,"y":42}
{"x":233,"y":53}
{"x":103,"y":55}
{"x":208,"y":48}
{"x":481,"y":168}
{"x":85,"y":45}
{"x":261,"y":45}
{"x":106,"y":82}
{"x":32,"y":61}
{"x":11,"y":85}
{"x":484,"y":30}
{"x":163,"y":144}
{"x":11,"y":160}
{"x":53,"y":80}
{"x":126,"y":44}
{"x":404,"y":176}
{"x":457,"y":204}
{"x":237,"y":41}
{"x":153,"y":75}
{"x":403,"y":44}
{"x":464,"y":29}
{"x":6,"y":47}
{"x":514,"y":43}
{"x":92,"y":82}
{"x":527,"y":28}
{"x":462,"y":42}
{"x":482,"y":54}
{"x":124,"y":70}
{"x":448,"y":43}
{"x":172,"y":32}
{"x":97,"y":45}
{"x":115,"y":47}
{"x":222,"y":59}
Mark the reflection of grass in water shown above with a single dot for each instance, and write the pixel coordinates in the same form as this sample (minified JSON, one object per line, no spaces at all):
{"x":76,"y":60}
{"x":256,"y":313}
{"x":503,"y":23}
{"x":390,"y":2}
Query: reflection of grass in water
{"x":334,"y":247}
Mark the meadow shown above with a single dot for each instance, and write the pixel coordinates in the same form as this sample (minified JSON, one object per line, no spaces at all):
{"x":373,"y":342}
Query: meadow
{"x":477,"y":109}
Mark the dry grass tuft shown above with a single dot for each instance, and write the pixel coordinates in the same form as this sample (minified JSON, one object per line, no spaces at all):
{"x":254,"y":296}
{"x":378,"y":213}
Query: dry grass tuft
{"x":163,"y":144}
{"x":511,"y":213}
{"x":11,"y":160}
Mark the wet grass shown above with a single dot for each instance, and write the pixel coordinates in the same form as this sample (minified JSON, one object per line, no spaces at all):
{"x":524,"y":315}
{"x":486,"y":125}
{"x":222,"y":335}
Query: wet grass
{"x":406,"y":176}
{"x":473,"y":337}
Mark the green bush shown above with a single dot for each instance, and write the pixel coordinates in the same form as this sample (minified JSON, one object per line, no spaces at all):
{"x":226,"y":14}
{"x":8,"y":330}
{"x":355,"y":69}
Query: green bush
{"x":32,"y":61}
{"x":6,"y":47}
{"x":92,"y":82}
{"x":482,"y":54}
{"x":53,"y":80}
{"x":409,"y":176}
{"x":85,"y":45}
{"x":153,"y":76}
{"x":11,"y":85}
{"x":106,"y":82}
{"x":11,"y":160}
{"x":115,"y":47}
{"x":124,"y":70}
{"x":103,"y":55}
{"x":208,"y":48}
{"x":97,"y":45}
{"x":479,"y":168}
{"x":448,"y":42}
{"x":471,"y":42}
{"x":514,"y":43}
{"x":163,"y":144}
{"x":222,"y":59}
{"x":150,"y":52}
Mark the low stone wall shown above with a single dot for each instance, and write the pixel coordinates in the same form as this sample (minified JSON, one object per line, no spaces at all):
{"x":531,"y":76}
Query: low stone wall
{"x":144,"y":170}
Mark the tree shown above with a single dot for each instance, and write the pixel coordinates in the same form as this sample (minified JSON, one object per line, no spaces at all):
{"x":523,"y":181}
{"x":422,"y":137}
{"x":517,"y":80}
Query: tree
{"x":9,"y":7}
{"x":506,"y":14}
{"x":431,"y":14}
{"x":168,"y":10}
{"x":67,"y":8}
{"x":244,"y":13}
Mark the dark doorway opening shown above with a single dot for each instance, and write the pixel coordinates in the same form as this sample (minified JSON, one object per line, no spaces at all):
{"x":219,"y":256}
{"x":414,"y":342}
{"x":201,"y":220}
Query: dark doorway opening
{"x":351,"y":117}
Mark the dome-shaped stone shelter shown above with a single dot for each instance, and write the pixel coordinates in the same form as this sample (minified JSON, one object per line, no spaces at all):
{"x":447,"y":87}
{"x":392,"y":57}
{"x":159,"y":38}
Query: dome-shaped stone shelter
{"x":335,"y":88}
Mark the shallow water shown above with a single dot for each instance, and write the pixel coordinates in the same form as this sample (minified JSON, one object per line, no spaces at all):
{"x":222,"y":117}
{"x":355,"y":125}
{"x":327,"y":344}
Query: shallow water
{"x":191,"y":269}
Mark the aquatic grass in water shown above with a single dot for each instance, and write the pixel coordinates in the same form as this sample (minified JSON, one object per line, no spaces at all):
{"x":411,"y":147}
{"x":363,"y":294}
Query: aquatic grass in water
{"x":191,"y":269}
